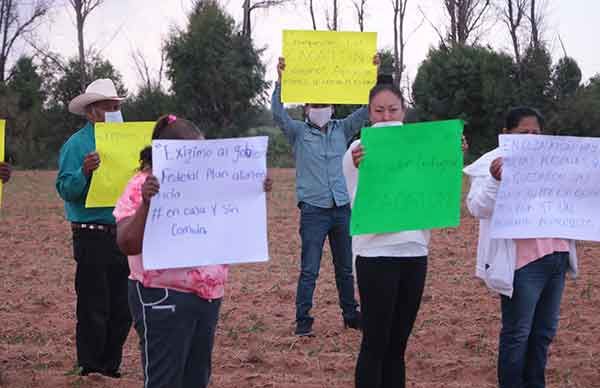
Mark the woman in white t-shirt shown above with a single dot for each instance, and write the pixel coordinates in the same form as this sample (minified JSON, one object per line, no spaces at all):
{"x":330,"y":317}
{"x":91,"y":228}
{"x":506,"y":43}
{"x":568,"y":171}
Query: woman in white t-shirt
{"x":390,"y":270}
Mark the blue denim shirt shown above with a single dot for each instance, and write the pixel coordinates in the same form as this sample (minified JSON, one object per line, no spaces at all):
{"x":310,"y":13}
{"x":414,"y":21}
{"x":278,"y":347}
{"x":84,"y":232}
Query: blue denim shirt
{"x":72,"y":185}
{"x":319,"y":177}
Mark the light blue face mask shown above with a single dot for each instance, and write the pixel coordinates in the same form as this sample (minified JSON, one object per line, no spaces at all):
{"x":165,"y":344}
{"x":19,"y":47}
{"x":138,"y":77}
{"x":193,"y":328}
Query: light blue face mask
{"x":113,"y":117}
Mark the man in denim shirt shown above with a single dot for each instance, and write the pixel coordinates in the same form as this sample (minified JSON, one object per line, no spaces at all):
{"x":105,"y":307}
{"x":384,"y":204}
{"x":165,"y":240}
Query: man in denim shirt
{"x":319,"y":144}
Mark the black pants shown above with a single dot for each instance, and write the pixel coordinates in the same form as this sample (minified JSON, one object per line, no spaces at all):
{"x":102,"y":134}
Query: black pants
{"x":103,"y":318}
{"x":177,"y":333}
{"x":390,"y":296}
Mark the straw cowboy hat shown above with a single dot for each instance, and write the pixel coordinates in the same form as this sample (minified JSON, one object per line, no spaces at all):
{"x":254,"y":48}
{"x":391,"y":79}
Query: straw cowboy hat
{"x":99,"y":90}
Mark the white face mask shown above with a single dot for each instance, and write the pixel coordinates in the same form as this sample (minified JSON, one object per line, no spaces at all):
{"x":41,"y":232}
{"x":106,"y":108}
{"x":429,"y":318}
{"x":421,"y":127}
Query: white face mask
{"x":113,"y":117}
{"x":320,"y":116}
{"x":388,"y":124}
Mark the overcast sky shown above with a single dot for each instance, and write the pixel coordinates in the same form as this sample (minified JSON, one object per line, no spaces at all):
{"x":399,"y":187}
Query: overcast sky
{"x":120,"y":26}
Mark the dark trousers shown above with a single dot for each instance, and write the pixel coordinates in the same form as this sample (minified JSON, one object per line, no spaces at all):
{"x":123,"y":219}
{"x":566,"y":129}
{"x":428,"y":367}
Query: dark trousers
{"x":177,"y":333}
{"x":103,"y":318}
{"x":390,"y":296}
{"x":316,"y":224}
{"x":530,"y":320}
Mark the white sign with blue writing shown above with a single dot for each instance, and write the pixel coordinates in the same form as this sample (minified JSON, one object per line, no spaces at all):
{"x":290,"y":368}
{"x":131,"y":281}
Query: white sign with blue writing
{"x":211,"y":207}
{"x":550,"y":188}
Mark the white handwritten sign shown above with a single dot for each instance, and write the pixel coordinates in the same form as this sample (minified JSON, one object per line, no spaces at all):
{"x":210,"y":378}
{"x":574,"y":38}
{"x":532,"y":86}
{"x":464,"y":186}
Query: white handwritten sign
{"x":550,"y":188}
{"x":211,"y":207}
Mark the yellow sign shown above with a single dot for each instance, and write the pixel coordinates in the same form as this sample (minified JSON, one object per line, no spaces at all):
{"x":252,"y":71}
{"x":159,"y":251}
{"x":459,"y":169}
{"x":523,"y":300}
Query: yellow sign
{"x":327,"y":67}
{"x":2,"y":135}
{"x":119,"y":146}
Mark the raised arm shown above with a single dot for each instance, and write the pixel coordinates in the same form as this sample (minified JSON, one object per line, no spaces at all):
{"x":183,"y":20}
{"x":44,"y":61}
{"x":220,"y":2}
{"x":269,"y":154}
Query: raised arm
{"x":355,"y":121}
{"x":290,"y":127}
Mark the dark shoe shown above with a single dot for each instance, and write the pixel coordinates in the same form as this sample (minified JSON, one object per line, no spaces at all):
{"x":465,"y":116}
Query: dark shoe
{"x":304,"y":328}
{"x":354,"y":322}
{"x":84,"y":371}
{"x":115,"y":374}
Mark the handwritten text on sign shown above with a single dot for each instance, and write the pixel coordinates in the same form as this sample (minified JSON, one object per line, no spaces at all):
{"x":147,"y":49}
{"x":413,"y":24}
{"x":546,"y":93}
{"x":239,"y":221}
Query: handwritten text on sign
{"x":211,"y":208}
{"x":410,"y":179}
{"x":550,"y":188}
{"x":119,"y":146}
{"x":328,"y":67}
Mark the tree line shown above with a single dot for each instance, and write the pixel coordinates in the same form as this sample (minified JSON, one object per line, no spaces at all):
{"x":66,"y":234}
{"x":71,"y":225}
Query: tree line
{"x":217,"y":78}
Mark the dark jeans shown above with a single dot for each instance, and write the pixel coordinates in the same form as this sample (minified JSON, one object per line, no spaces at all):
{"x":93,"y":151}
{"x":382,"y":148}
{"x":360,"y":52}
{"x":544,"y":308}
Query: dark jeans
{"x":177,"y":332}
{"x":390,"y":296}
{"x":103,"y":318}
{"x":530,"y":321}
{"x":315,"y":225}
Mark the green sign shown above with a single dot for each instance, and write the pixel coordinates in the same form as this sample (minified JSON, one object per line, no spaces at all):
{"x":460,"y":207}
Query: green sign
{"x":410,"y":178}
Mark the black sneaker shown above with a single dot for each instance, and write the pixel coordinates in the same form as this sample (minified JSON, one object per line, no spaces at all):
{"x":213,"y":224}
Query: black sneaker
{"x":304,"y":328}
{"x":115,"y":374}
{"x":84,"y":371}
{"x":354,"y":322}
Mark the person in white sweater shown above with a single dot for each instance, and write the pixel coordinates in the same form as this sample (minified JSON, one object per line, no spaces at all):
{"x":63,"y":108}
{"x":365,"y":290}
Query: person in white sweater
{"x":390,"y":269}
{"x":529,"y":274}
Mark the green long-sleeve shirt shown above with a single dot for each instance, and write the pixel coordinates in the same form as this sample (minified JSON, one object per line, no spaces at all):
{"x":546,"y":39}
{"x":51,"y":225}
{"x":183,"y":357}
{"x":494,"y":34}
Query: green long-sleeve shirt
{"x":72,"y":184}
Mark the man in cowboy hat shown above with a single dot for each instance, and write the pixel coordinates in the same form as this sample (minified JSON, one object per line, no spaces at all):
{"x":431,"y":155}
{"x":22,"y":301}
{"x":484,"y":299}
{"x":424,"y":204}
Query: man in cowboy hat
{"x":103,"y":318}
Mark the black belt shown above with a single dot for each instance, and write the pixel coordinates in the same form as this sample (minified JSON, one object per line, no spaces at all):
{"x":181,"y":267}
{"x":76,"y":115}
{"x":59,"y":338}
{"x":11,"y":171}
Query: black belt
{"x":105,"y":228}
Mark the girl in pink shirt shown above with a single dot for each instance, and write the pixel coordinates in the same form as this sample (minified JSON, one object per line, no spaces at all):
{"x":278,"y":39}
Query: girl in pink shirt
{"x":175,"y":311}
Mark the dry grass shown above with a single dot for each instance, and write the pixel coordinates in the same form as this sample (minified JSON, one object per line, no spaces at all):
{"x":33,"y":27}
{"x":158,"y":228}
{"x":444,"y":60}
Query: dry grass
{"x":454,"y":343}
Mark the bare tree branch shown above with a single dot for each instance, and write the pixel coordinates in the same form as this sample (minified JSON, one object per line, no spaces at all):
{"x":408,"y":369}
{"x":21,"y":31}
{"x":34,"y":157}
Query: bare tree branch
{"x":249,"y":6}
{"x":14,"y":26}
{"x":536,"y":16}
{"x":332,"y":23}
{"x":46,"y":54}
{"x":312,"y":14}
{"x":359,"y":6}
{"x":512,"y":13}
{"x":466,"y":18}
{"x":399,"y":7}
{"x":83,"y":9}
{"x":435,"y":28}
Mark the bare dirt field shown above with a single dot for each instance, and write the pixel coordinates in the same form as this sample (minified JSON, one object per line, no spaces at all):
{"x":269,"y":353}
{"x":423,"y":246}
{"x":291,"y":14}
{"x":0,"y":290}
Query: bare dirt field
{"x":454,"y":343}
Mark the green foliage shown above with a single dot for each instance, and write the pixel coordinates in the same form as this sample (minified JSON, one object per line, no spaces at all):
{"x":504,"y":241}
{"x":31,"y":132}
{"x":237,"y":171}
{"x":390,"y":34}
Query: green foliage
{"x":148,"y":105}
{"x":21,"y":104}
{"x":566,"y":78}
{"x":535,"y":83}
{"x":578,"y":114}
{"x":216,"y":74}
{"x":35,"y":102}
{"x":26,"y":83}
{"x":63,"y":82}
{"x":474,"y":84}
{"x":280,"y":152}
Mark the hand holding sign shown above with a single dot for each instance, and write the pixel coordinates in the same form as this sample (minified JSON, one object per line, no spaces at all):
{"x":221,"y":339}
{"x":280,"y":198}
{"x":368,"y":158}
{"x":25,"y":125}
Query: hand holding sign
{"x":91,"y":163}
{"x":150,"y":188}
{"x":496,"y":169}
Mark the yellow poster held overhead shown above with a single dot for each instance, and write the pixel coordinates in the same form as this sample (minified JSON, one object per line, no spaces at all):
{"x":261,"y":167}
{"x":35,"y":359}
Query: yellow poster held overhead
{"x":2,"y":136}
{"x":119,"y":146}
{"x":328,"y":67}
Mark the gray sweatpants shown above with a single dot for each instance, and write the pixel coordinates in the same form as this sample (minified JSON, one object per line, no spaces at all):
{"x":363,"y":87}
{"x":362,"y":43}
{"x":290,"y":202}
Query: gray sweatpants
{"x":177,"y":332}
